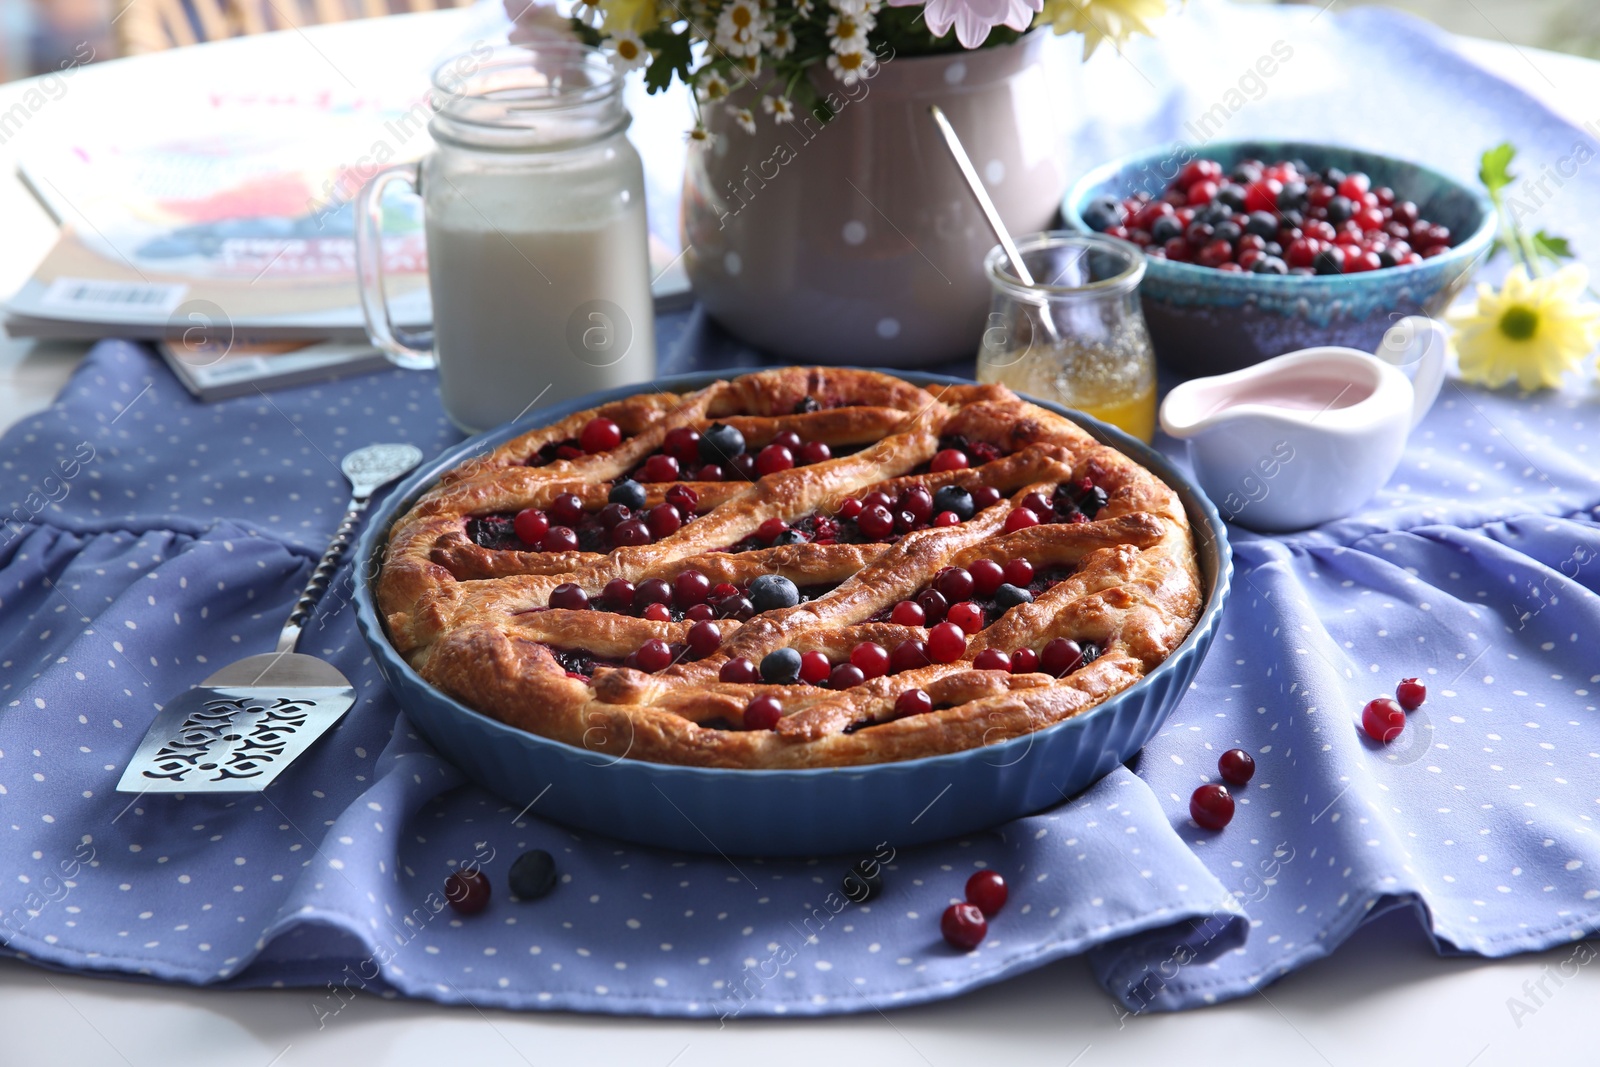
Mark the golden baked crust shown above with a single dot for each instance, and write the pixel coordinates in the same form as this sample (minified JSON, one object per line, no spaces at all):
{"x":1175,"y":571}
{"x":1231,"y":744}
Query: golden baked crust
{"x":475,"y":622}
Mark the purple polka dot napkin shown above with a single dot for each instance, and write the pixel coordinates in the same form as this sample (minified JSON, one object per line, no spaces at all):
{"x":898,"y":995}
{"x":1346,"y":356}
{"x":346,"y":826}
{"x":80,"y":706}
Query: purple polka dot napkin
{"x":149,"y":540}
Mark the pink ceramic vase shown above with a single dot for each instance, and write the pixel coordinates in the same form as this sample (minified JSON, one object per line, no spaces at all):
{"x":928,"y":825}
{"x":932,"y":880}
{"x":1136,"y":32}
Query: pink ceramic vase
{"x":856,"y":240}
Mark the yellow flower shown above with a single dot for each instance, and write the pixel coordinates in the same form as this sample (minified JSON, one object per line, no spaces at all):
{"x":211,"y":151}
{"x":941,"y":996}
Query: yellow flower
{"x":1533,"y":330}
{"x":1099,"y":20}
{"x":629,"y":16}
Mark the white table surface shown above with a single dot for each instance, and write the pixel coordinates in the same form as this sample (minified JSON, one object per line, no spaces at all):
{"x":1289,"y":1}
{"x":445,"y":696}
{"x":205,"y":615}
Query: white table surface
{"x":1383,"y":997}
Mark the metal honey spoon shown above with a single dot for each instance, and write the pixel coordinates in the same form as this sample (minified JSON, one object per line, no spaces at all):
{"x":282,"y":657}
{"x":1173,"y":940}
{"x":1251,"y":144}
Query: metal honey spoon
{"x":991,"y":214}
{"x":236,"y":731}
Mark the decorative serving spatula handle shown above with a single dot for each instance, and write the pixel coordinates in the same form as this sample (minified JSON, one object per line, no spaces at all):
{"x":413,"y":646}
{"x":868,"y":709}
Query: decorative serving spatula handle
{"x":322,"y":575}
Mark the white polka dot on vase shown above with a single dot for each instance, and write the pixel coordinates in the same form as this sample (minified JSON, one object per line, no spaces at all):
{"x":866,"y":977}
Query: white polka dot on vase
{"x":994,"y":172}
{"x":732,"y":263}
{"x":888,"y":328}
{"x":955,"y":73}
{"x":854,"y":232}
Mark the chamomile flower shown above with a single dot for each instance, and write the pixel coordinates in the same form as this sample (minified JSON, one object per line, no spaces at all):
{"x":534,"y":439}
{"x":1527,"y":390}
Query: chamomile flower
{"x":851,"y":67}
{"x":779,"y":107}
{"x":743,"y":116}
{"x":857,"y":7}
{"x":803,"y":8}
{"x":699,"y":135}
{"x":627,"y":52}
{"x":848,"y":33}
{"x":748,"y":66}
{"x":739,"y":28}
{"x":712,"y":88}
{"x":780,"y":41}
{"x":1533,"y":329}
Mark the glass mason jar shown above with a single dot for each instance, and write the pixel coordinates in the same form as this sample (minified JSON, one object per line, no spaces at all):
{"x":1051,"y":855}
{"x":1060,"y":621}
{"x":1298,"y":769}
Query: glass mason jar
{"x":1094,"y":353}
{"x":533,"y":204}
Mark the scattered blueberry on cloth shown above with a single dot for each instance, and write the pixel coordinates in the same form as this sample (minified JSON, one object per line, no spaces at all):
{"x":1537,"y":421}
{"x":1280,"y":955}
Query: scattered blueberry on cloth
{"x":150,"y":540}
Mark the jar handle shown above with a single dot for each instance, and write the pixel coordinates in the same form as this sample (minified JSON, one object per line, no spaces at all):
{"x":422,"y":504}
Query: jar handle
{"x":369,"y":270}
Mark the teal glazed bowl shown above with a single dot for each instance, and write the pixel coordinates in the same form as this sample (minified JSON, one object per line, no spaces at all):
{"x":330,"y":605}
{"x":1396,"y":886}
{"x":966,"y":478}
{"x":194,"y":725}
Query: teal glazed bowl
{"x":792,"y":812}
{"x":1204,"y":321}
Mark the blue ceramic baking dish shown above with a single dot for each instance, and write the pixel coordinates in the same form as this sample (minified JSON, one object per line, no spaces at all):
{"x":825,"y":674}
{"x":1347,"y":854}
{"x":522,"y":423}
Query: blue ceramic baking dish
{"x":793,"y":812}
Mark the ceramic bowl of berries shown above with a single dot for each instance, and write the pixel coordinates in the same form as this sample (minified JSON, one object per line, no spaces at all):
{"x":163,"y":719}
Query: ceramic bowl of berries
{"x":1257,"y":248}
{"x":795,"y":612}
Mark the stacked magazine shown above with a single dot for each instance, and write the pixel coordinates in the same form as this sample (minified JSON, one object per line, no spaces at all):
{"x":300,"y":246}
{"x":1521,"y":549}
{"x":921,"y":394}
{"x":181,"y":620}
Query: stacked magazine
{"x":230,"y":244}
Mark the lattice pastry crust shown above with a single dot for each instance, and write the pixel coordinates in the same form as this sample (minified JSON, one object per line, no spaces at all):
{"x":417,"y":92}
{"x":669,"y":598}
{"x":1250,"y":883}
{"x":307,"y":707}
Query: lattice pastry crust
{"x":474,"y":620}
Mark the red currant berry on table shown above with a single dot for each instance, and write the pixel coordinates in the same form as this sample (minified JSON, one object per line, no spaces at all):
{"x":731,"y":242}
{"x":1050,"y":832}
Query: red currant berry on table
{"x":1211,"y":806}
{"x":568,"y":596}
{"x":654,"y":655}
{"x":908,"y":656}
{"x":659,"y":468}
{"x":908,"y":613}
{"x":774,"y":458}
{"x":1020,"y":519}
{"x":601,"y":435}
{"x":740,"y":670}
{"x":814,"y":667}
{"x":947,"y":643}
{"x":762,"y":713}
{"x":987,"y":576}
{"x":963,"y":925}
{"x":992,"y":659}
{"x":966,"y":615}
{"x":845,"y":676}
{"x":467,"y":890}
{"x":912,"y":702}
{"x":704,"y":638}
{"x":683,"y":445}
{"x":871,"y":658}
{"x":1383,"y":719}
{"x":815,"y":452}
{"x":949,"y":459}
{"x":1236,"y":766}
{"x":986,"y":891}
{"x":559,"y":539}
{"x":1024,"y":661}
{"x":1410,"y":693}
{"x":531,"y":526}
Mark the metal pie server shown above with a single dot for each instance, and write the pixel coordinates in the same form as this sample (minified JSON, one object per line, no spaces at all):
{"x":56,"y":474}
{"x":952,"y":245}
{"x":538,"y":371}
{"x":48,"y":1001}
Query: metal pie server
{"x":236,"y":731}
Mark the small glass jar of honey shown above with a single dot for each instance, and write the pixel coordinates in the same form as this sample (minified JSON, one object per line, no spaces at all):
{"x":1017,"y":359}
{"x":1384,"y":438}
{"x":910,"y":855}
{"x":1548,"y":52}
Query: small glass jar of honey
{"x":1076,"y":335}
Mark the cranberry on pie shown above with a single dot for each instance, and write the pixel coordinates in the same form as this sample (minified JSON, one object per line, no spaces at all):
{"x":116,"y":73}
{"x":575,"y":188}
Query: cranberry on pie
{"x":801,"y":567}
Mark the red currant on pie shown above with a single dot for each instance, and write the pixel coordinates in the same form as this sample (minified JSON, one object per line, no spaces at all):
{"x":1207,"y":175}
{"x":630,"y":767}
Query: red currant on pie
{"x":987,"y":575}
{"x":568,"y":596}
{"x":739,"y":670}
{"x":762,"y":713}
{"x":949,"y":459}
{"x":683,"y":445}
{"x":600,"y":435}
{"x":845,"y":676}
{"x":967,"y":615}
{"x":1024,"y":661}
{"x":912,"y":702}
{"x":1020,"y":519}
{"x":1019,"y":572}
{"x":991,"y":659}
{"x":908,"y":656}
{"x":559,"y":539}
{"x":774,"y":458}
{"x":908,"y":613}
{"x":659,"y":468}
{"x":871,"y":658}
{"x":704,"y":639}
{"x":531,"y":525}
{"x":947,"y":643}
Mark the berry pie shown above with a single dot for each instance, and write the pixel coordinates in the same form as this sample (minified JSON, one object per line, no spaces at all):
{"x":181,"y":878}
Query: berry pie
{"x":804,"y":567}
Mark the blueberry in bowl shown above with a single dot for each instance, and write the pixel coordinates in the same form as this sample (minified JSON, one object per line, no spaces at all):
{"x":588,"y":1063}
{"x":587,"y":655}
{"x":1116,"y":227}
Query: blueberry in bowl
{"x":1257,"y":248}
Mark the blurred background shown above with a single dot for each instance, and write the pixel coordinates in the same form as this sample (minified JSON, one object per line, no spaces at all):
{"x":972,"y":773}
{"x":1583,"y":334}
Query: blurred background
{"x":37,"y":36}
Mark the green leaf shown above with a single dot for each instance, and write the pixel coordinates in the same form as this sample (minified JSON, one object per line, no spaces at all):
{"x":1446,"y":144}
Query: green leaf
{"x":672,"y":56}
{"x":1550,"y":246}
{"x":1494,"y":169}
{"x":585,"y":33}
